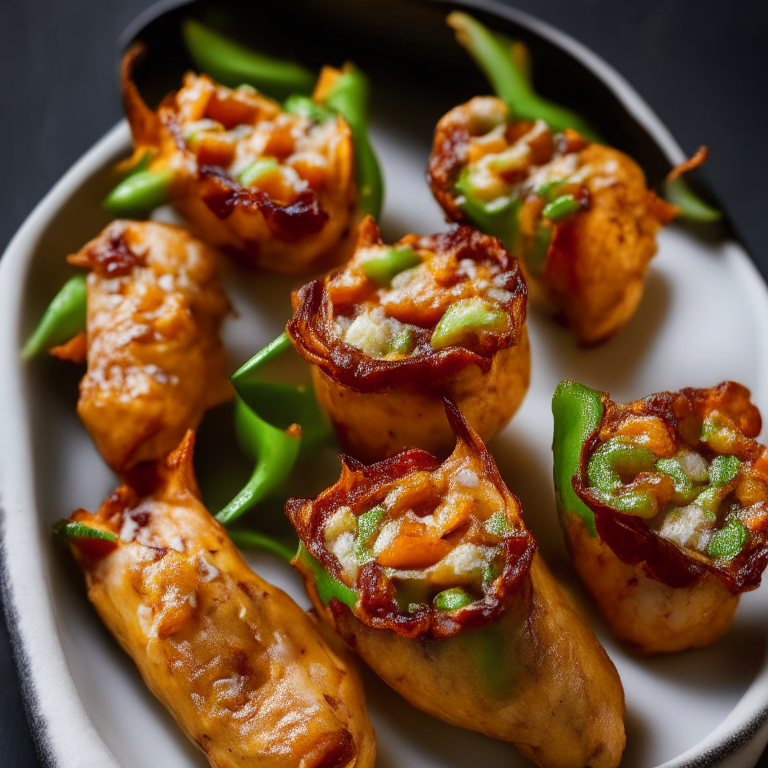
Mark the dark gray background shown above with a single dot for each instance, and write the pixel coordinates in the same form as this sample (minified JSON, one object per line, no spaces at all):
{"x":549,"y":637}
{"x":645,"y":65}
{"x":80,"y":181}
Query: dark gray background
{"x":700,"y":64}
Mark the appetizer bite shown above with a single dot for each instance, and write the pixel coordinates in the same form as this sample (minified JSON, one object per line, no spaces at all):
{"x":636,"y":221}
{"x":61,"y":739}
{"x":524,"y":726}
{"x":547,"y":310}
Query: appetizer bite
{"x":664,"y":506}
{"x":402,"y":326}
{"x":428,"y":573}
{"x":272,"y":185}
{"x":155,"y":359}
{"x":238,"y":664}
{"x":577,"y":213}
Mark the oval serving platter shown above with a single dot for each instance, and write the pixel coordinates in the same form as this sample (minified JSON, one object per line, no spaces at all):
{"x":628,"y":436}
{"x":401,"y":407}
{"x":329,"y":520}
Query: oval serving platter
{"x":704,"y":314}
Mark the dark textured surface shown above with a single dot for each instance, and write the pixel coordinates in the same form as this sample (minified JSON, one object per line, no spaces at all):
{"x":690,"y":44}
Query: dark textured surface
{"x":700,"y":65}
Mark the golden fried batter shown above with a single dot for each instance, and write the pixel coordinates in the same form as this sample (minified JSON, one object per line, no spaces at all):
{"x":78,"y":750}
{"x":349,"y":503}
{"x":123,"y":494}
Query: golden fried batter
{"x":237,"y":663}
{"x":155,"y":359}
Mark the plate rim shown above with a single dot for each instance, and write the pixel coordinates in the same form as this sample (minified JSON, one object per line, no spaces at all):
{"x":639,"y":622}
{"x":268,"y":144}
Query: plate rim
{"x":46,"y":683}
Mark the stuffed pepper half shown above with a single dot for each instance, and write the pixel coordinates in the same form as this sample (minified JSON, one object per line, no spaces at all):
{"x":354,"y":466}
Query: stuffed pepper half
{"x":428,"y":572}
{"x":664,"y":505}
{"x":272,"y":185}
{"x":578,"y":214}
{"x":155,"y":358}
{"x":402,"y":326}
{"x":238,"y":664}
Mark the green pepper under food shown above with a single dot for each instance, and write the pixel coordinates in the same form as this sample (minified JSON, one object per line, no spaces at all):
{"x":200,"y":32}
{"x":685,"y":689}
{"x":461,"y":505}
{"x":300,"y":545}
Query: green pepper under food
{"x":577,"y":411}
{"x":264,"y":413}
{"x":494,"y":56}
{"x":403,"y":343}
{"x":392,"y":261}
{"x":233,"y":64}
{"x":692,"y":207}
{"x":497,"y":524}
{"x":729,"y":540}
{"x":535,"y":256}
{"x":139,"y":193}
{"x":248,"y":539}
{"x":327,"y":586}
{"x":490,"y":653}
{"x":63,"y":319}
{"x":452,"y":599}
{"x":72,"y":529}
{"x":349,"y":97}
{"x":560,"y":208}
{"x":684,"y":489}
{"x":464,"y":319}
{"x":274,"y":450}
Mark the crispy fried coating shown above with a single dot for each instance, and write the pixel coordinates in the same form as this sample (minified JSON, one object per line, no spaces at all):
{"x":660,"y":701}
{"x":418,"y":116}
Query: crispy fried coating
{"x":375,"y":367}
{"x":589,"y":262}
{"x":238,"y":664}
{"x":685,"y":531}
{"x":155,"y":359}
{"x":273,"y":189}
{"x":509,"y":657}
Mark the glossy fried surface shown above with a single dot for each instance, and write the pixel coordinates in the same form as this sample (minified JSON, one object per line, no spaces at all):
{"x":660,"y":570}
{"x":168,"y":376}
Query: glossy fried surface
{"x":237,"y":663}
{"x":377,"y":368}
{"x":274,"y":189}
{"x":589,"y":263}
{"x":512,"y":659}
{"x":155,"y":359}
{"x":685,"y":530}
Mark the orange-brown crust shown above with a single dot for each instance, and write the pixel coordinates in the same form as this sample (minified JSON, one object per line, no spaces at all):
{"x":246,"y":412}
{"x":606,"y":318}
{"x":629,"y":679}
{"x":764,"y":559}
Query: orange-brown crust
{"x":630,"y":538}
{"x":362,"y":487}
{"x":237,"y":663}
{"x":311,"y":229}
{"x":155,"y":359}
{"x":596,"y":261}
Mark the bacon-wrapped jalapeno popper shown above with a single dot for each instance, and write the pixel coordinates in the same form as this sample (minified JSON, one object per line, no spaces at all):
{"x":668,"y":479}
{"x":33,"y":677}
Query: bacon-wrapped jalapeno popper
{"x":402,"y":326}
{"x":578,"y":214}
{"x":238,"y":664}
{"x":664,"y":506}
{"x":155,"y":359}
{"x":429,"y":573}
{"x":274,"y":186}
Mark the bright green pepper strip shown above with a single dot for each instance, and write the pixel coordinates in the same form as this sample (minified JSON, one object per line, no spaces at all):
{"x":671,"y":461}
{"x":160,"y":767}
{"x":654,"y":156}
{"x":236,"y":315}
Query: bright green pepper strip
{"x":463,"y":319}
{"x":275,"y":451}
{"x":303,"y":106}
{"x":497,"y":218}
{"x":578,"y":411}
{"x":248,"y":539}
{"x":729,"y":540}
{"x":493,"y":55}
{"x":560,"y":208}
{"x":710,"y":498}
{"x":402,"y":344}
{"x":257,"y":169}
{"x":451,"y":599}
{"x":691,"y":206}
{"x":79,"y":531}
{"x":366,"y":525}
{"x":723,"y":469}
{"x":280,"y":404}
{"x":349,"y":97}
{"x":139,"y":193}
{"x":63,"y":319}
{"x":547,"y":190}
{"x":327,"y":586}
{"x":231,"y":64}
{"x":392,"y":261}
{"x":614,"y":457}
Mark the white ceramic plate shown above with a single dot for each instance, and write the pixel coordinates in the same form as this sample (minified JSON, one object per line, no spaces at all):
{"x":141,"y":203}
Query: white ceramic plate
{"x":704,"y":318}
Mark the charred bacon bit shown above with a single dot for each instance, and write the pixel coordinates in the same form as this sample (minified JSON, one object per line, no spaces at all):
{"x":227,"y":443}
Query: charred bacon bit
{"x":111,"y":257}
